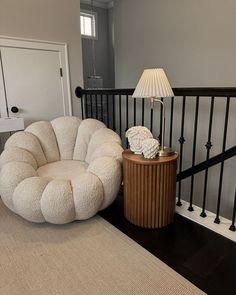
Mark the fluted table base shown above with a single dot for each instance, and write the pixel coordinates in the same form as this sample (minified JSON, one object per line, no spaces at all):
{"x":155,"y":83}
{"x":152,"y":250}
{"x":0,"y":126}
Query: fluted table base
{"x":149,"y":189}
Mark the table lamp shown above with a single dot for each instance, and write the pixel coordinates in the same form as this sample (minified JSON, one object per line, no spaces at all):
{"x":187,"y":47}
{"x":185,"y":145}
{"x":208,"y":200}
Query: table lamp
{"x":153,"y":85}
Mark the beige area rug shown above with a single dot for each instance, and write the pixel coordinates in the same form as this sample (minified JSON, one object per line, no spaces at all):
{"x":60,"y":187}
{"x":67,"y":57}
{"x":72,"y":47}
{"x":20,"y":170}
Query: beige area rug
{"x":90,"y":257}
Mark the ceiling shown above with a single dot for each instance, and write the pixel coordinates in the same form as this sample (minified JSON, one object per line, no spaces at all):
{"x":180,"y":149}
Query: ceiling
{"x":99,"y":3}
{"x":104,"y":1}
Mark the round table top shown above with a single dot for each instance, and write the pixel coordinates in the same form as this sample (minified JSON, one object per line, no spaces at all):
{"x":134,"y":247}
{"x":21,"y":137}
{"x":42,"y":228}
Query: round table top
{"x":139,"y":159}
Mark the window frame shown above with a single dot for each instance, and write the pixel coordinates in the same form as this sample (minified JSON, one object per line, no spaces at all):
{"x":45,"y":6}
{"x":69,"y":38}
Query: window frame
{"x":93,"y":15}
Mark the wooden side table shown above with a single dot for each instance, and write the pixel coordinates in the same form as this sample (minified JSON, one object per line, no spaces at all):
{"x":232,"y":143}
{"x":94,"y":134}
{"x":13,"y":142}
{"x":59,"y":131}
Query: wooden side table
{"x":149,"y":189}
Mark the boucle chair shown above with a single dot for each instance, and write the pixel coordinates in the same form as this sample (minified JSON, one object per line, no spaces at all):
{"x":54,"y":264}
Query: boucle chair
{"x":61,"y":171}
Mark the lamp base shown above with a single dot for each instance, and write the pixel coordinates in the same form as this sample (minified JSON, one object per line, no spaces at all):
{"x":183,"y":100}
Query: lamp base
{"x":165,"y":152}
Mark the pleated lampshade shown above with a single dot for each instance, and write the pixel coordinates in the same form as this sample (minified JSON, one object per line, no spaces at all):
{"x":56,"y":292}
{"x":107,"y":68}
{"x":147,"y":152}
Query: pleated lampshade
{"x":153,"y":83}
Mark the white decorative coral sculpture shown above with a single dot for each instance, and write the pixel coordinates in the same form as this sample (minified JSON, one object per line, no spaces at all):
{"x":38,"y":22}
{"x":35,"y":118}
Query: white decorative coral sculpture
{"x":150,"y":148}
{"x":136,"y":135}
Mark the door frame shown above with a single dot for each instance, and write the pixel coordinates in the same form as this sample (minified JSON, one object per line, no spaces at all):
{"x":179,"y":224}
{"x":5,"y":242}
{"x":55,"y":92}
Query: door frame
{"x":61,"y":48}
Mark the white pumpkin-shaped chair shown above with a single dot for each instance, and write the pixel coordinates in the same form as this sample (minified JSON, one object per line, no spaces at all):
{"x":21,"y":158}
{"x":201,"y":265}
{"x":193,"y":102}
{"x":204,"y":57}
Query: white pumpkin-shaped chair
{"x":59,"y":171}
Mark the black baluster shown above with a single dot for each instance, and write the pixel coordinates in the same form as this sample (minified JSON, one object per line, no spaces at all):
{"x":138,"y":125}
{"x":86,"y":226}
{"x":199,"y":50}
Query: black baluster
{"x":142,"y":111}
{"x":190,"y":208}
{"x":102,"y":108}
{"x":181,"y":141}
{"x":151,"y":119}
{"x":113,"y":113}
{"x":232,"y":226}
{"x":96,"y":106}
{"x":91,"y":106}
{"x":161,"y":115}
{"x":217,"y":219}
{"x":208,"y":146}
{"x":127,"y":117}
{"x":134,"y":111}
{"x":82,"y":107}
{"x":86,"y":105}
{"x":108,"y":113}
{"x":171,"y":120}
{"x":120,"y":118}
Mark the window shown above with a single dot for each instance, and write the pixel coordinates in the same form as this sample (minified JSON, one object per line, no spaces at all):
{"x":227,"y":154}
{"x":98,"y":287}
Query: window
{"x":88,"y":24}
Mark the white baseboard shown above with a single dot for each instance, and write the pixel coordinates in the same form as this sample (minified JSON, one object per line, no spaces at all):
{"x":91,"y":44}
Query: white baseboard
{"x":208,"y":221}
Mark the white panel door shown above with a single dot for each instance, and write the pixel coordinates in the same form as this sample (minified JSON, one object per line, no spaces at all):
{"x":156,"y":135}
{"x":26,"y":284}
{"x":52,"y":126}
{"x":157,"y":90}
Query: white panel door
{"x":33,"y":83}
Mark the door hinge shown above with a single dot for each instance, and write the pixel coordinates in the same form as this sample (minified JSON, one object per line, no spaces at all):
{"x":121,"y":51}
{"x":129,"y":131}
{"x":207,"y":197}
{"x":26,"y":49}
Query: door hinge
{"x":61,"y":73}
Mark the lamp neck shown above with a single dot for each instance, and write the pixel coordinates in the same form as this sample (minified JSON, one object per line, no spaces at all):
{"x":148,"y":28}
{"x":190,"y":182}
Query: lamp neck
{"x":153,"y":99}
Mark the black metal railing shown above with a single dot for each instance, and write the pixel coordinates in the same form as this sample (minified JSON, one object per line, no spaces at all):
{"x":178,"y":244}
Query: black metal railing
{"x":115,"y":108}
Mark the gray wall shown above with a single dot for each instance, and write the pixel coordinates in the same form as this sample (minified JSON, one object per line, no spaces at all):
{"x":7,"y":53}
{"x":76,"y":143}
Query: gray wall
{"x":103,"y":53}
{"x":54,"y":20}
{"x":195,"y":42}
{"x":111,"y":40}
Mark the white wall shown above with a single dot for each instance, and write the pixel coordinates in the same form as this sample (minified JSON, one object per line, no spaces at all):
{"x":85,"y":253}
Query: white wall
{"x":195,"y":42}
{"x":49,"y":20}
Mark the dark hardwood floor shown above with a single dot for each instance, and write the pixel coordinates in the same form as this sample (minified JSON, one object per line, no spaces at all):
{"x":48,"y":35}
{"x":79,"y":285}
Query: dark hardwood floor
{"x":203,"y":257}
